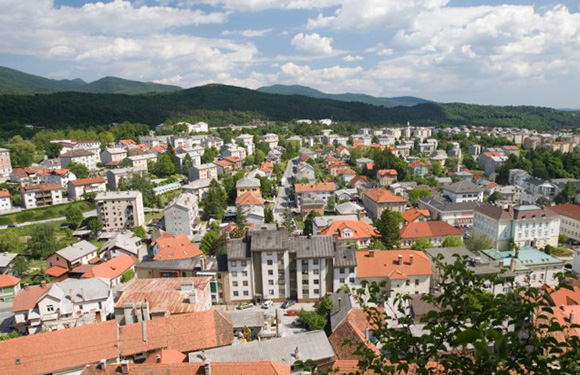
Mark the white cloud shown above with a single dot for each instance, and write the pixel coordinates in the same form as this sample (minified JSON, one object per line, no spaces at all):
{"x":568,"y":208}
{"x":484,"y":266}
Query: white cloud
{"x":313,"y":44}
{"x":350,"y":58}
{"x":380,"y":50}
{"x":247,"y":33}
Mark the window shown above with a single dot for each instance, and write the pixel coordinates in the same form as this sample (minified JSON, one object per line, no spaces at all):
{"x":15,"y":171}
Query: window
{"x":244,"y":273}
{"x":244,"y":263}
{"x":234,"y":283}
{"x":351,"y":280}
{"x":352,"y":270}
{"x":270,"y":272}
{"x":316,"y":291}
{"x":270,"y":282}
{"x":246,"y":293}
{"x":50,"y":308}
{"x":269,"y":253}
{"x":236,"y":293}
{"x":269,"y":262}
{"x":316,"y":282}
{"x":271,"y":291}
{"x":245,"y":283}
{"x":234,"y":273}
{"x":341,"y":280}
{"x":315,"y":262}
{"x":316,"y":272}
{"x":233,"y":263}
{"x":408,"y":282}
{"x":417,"y":282}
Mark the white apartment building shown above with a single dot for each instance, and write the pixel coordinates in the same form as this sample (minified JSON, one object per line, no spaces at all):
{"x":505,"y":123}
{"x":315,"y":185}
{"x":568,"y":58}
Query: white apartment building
{"x":114,"y":176}
{"x":142,"y":161}
{"x":271,"y":139}
{"x":5,"y":164}
{"x":463,"y":191}
{"x":199,"y":188}
{"x":203,"y":171}
{"x":84,"y":157}
{"x":526,"y":225}
{"x":92,"y":146}
{"x":5,"y":202}
{"x":181,"y":214}
{"x":233,"y":150}
{"x":120,"y":210}
{"x":61,"y":176}
{"x":78,"y":188}
{"x":248,"y":141}
{"x":570,"y":219}
{"x":33,"y":196}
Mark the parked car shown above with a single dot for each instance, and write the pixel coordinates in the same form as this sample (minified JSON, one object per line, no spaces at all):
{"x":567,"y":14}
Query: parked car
{"x":244,"y":305}
{"x":267,"y":304}
{"x":288,"y":303}
{"x":292,"y":312}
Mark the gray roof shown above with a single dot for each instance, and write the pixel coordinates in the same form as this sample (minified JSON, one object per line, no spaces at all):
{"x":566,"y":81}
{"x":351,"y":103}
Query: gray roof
{"x":474,"y":262}
{"x":80,"y":290}
{"x":312,"y":246}
{"x":245,"y":318}
{"x":311,"y":345}
{"x":125,"y":241}
{"x":347,"y":208}
{"x":248,"y":182}
{"x":444,"y":205}
{"x":269,"y":240}
{"x":237,"y":249}
{"x":197,"y":184}
{"x":341,"y":306}
{"x":344,"y":255}
{"x":323,"y":221}
{"x":6,"y":259}
{"x":77,"y":250}
{"x":188,"y":264}
{"x":118,"y":195}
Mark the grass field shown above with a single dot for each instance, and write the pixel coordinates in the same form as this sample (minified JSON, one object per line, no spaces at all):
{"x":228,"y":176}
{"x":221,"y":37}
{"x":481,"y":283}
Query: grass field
{"x":44,"y":213}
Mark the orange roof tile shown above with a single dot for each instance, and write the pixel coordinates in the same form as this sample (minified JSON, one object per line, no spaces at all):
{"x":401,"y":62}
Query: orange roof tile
{"x":413,"y":214}
{"x":387,"y":172}
{"x":127,"y":142}
{"x":166,"y":357}
{"x":249,"y":199}
{"x":28,"y":296}
{"x":4,"y":194}
{"x":176,"y":247}
{"x":419,"y":163}
{"x":383,"y":196}
{"x":233,"y":159}
{"x":8,"y":281}
{"x":196,"y":368}
{"x":360,"y":229}
{"x":267,"y":167}
{"x":358,"y":178}
{"x":112,"y":268}
{"x":429,"y":229}
{"x":56,"y":271}
{"x":223,"y":163}
{"x":370,"y":166}
{"x":42,"y":187}
{"x":385,"y":263}
{"x":88,"y":181}
{"x":306,"y":188}
{"x":342,"y":171}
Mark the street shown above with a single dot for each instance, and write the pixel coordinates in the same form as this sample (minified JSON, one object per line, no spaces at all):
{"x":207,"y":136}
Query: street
{"x":62,"y":218}
{"x":282,"y":199}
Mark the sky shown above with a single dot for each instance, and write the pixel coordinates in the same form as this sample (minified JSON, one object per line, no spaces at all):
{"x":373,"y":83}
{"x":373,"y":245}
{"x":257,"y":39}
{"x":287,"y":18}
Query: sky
{"x":506,"y":52}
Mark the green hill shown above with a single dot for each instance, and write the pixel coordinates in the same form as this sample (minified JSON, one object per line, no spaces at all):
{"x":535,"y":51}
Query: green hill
{"x":347,"y":97}
{"x":14,"y":82}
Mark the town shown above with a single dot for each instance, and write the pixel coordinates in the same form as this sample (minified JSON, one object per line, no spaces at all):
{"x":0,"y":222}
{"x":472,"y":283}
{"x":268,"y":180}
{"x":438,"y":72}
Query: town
{"x":251,"y":249}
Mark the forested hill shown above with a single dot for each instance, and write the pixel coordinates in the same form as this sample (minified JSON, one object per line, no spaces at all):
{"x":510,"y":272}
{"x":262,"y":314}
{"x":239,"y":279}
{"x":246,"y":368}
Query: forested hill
{"x":80,"y":109}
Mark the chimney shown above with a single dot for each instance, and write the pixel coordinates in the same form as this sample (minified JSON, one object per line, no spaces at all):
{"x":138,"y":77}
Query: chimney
{"x":43,"y":285}
{"x":144,"y":330}
{"x":157,"y":358}
{"x":513,"y":265}
{"x":360,"y":214}
{"x":411,"y":259}
{"x":400,"y":261}
{"x":25,"y":287}
{"x":339,"y":302}
{"x":572,"y":317}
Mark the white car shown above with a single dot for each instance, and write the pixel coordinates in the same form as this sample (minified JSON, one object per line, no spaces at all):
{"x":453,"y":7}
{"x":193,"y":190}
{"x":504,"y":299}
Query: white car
{"x":267,"y":304}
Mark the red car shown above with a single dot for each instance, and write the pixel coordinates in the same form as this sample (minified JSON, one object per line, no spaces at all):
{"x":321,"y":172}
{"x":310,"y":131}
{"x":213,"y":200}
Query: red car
{"x":292,"y":312}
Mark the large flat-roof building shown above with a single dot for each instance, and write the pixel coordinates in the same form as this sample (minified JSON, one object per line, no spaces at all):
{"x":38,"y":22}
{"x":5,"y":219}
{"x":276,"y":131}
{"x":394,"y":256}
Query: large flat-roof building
{"x":120,"y":210}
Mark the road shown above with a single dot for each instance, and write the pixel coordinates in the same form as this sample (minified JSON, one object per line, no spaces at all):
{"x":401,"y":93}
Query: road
{"x":282,"y":199}
{"x":6,"y":317}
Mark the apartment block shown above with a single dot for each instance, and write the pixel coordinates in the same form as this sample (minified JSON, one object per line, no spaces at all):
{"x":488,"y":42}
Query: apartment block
{"x":84,"y":157}
{"x":203,"y":171}
{"x":41,"y":195}
{"x":120,"y":210}
{"x":181,"y":215}
{"x":5,"y":164}
{"x":78,"y":188}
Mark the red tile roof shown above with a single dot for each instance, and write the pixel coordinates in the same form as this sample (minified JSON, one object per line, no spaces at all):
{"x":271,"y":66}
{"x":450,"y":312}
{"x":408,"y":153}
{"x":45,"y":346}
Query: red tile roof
{"x":387,"y":172}
{"x":385,"y":263}
{"x":570,"y":210}
{"x":112,"y":268}
{"x":56,"y":271}
{"x":306,"y":188}
{"x":42,"y":187}
{"x":166,"y":357}
{"x":197,"y":368}
{"x":419,"y":163}
{"x":223,"y":163}
{"x":356,"y":179}
{"x":8,"y":281}
{"x":413,"y":214}
{"x":249,"y":199}
{"x":233,"y":159}
{"x":429,"y":229}
{"x":361,"y":230}
{"x":267,"y":167}
{"x":4,"y":194}
{"x":176,"y":247}
{"x":353,"y":329}
{"x":383,"y":196}
{"x":88,"y":181}
{"x":28,"y":296}
{"x":127,"y":142}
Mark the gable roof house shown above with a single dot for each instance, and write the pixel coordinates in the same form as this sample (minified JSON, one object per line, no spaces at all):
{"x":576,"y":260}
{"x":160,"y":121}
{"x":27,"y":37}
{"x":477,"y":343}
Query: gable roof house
{"x":67,"y":259}
{"x":434,"y":231}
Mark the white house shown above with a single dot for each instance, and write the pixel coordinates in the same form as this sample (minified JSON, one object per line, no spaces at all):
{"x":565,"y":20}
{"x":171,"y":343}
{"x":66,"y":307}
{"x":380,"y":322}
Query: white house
{"x":181,"y":214}
{"x":78,"y":188}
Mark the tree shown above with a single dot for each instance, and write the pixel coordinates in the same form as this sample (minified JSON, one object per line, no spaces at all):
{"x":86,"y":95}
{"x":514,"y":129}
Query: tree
{"x":74,"y":216}
{"x":452,"y":241}
{"x":416,"y":194}
{"x":241,"y":223}
{"x":95,"y":226}
{"x":213,"y":243}
{"x":164,"y":167}
{"x":478,"y":242}
{"x":496,"y":196}
{"x":52,"y":150}
{"x":469,"y":330}
{"x":21,"y":152}
{"x":562,"y":238}
{"x":140,"y":232}
{"x":543,"y":201}
{"x":215,"y":203}
{"x":79,"y":170}
{"x":187,"y":163}
{"x":469,"y":162}
{"x":209,"y":154}
{"x":330,"y":204}
{"x":422,"y":244}
{"x":42,"y":243}
{"x":268,"y":214}
{"x":311,"y":320}
{"x":437,"y":169}
{"x":388,"y":226}
{"x":308,"y":223}
{"x":567,"y":194}
{"x":20,"y":266}
{"x":288,"y":222}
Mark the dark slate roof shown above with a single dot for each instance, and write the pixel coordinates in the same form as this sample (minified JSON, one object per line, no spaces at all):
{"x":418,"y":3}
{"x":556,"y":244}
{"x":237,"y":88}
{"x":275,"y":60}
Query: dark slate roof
{"x":463,"y":187}
{"x":237,"y":249}
{"x":188,"y":264}
{"x":344,"y":255}
{"x":341,"y":305}
{"x":494,"y":212}
{"x":269,"y":240}
{"x":312,"y":247}
{"x":444,"y":205}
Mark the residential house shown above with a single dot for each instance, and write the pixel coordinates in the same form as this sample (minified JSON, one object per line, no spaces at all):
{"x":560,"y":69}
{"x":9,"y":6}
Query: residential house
{"x":248,"y":184}
{"x":113,"y":156}
{"x":491,"y":161}
{"x":386,"y":176}
{"x":247,"y":141}
{"x":233,"y":150}
{"x":463,"y":191}
{"x":305,"y":171}
{"x":376,"y":201}
{"x":28,"y":175}
{"x":115,"y":176}
{"x":126,"y":144}
{"x":9,"y":287}
{"x":404,"y":271}
{"x":198,"y":188}
{"x":121,"y":210}
{"x":414,"y":215}
{"x":181,"y":215}
{"x":312,"y":202}
{"x":323,"y":190}
{"x":252,"y":206}
{"x":6,"y":262}
{"x":525,"y":225}
{"x":5,"y":201}
{"x":142,"y":161}
{"x":455,"y":214}
{"x":570,"y":219}
{"x":71,"y":257}
{"x":203,"y":171}
{"x":420,"y":168}
{"x":61,"y":176}
{"x":168,"y":246}
{"x":434,"y":231}
{"x":123,"y":243}
{"x":271,"y":139}
{"x":84,"y":157}
{"x":112,"y":270}
{"x":92,"y":185}
{"x":357,"y":232}
{"x":33,"y":196}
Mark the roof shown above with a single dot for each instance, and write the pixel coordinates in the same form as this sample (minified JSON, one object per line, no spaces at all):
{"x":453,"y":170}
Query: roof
{"x":187,"y":264}
{"x":77,"y":250}
{"x":383,"y":196}
{"x":247,"y":318}
{"x":344,"y":255}
{"x":268,"y":240}
{"x":88,"y":181}
{"x":341,"y":306}
{"x":249,"y":199}
{"x":444,"y":205}
{"x":4,"y":194}
{"x":112,"y":268}
{"x":569,"y":210}
{"x":56,"y":271}
{"x":323,"y":186}
{"x":237,"y":249}
{"x":125,"y":241}
{"x":8,"y":281}
{"x":28,"y":296}
{"x":166,"y":357}
{"x":515,"y":213}
{"x":475,"y":263}
{"x":359,"y":229}
{"x":131,"y":194}
{"x":166,"y":294}
{"x":413,"y":214}
{"x":526,"y":257}
{"x":76,"y":154}
{"x":7,"y":258}
{"x":311,"y":345}
{"x":428,"y":229}
{"x":386,"y":264}
{"x":223,"y":163}
{"x":42,"y":187}
{"x":248,"y":182}
{"x":83,"y":289}
{"x":463,"y":187}
{"x":176,"y":247}
{"x":387,"y":172}
{"x":217,"y":368}
{"x":349,"y":334}
{"x":307,"y":247}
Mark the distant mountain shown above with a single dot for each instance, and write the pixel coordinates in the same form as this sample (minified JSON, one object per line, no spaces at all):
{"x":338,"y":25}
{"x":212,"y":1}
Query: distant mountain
{"x":347,"y":97}
{"x":14,"y":82}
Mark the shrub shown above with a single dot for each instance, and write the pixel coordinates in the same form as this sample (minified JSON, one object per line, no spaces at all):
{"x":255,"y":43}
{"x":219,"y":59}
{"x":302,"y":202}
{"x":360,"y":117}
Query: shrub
{"x":127,"y":276}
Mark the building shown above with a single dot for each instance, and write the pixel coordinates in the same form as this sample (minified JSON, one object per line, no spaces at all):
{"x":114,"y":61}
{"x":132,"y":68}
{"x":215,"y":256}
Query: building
{"x":248,"y":184}
{"x":66,"y":304}
{"x":115,"y":176}
{"x":92,"y":185}
{"x":142,"y":161}
{"x":233,"y":151}
{"x":434,"y":231}
{"x":171,"y":268}
{"x":420,"y":168}
{"x":312,"y":202}
{"x":198,"y":188}
{"x":71,"y":257}
{"x":463,"y":191}
{"x":163,"y":297}
{"x":528,"y":264}
{"x":358,"y":232}
{"x":455,"y":214}
{"x":413,"y":215}
{"x":28,"y":175}
{"x":5,"y":201}
{"x":6,"y":262}
{"x":271,"y":139}
{"x":120,"y":210}
{"x":247,"y":141}
{"x":525,"y":225}
{"x":123,"y":243}
{"x":386,"y":176}
{"x":170,"y":362}
{"x":203,"y":171}
{"x":491,"y":161}
{"x":570,"y":219}
{"x":168,"y":246}
{"x":9,"y":287}
{"x":113,"y":156}
{"x":112,"y":270}
{"x":33,"y":196}
{"x":84,"y":157}
{"x":376,"y":201}
{"x":61,"y":176}
{"x":323,"y":190}
{"x":267,"y":265}
{"x":404,"y":271}
{"x":181,"y":215}
{"x":5,"y":164}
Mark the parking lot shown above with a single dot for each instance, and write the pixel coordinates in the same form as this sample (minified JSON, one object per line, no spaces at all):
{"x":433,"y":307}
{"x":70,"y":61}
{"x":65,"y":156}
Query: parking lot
{"x":288,"y":325}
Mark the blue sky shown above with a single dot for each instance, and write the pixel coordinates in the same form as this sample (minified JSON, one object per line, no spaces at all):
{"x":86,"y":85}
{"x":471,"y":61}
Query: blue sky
{"x":488,"y":52}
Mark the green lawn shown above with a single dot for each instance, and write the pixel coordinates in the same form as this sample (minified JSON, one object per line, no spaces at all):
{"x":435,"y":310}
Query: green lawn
{"x":43,"y":213}
{"x":561,"y":252}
